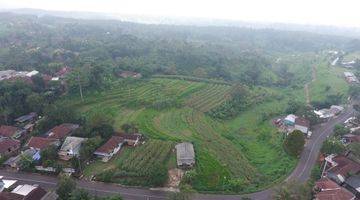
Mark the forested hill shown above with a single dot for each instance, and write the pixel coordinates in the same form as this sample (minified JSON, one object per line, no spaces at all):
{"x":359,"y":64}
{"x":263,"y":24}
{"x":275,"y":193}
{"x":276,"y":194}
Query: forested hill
{"x":241,"y":54}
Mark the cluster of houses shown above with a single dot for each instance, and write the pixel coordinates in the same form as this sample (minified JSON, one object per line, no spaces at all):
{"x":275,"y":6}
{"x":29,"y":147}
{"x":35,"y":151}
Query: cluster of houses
{"x":26,"y":76}
{"x":13,"y":190}
{"x":338,"y":59}
{"x":350,"y":77}
{"x":327,"y":113}
{"x":60,"y":136}
{"x":340,"y":179}
{"x":341,"y":173}
{"x":292,"y":122}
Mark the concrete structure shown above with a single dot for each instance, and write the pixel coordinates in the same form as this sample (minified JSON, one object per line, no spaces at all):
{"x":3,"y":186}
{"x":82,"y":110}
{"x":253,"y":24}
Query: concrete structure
{"x":185,"y":154}
{"x":70,"y":148}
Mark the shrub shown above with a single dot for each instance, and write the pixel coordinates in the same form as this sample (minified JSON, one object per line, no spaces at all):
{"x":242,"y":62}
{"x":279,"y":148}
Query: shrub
{"x":294,"y":143}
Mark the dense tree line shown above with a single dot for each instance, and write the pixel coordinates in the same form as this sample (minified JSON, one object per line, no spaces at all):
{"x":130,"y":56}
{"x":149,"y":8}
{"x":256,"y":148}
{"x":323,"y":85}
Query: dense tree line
{"x":104,"y":47}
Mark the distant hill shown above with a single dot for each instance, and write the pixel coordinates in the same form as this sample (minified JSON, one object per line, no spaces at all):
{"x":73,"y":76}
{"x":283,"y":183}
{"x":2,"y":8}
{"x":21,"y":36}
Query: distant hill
{"x":146,"y":19}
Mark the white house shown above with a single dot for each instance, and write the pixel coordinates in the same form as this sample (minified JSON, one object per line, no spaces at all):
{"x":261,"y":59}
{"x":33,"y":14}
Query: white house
{"x":71,"y":147}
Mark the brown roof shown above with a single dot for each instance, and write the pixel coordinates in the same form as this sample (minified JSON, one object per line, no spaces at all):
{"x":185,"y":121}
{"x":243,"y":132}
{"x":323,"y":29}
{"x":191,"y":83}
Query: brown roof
{"x":63,"y":71}
{"x":338,"y":194}
{"x":326,"y":184}
{"x":36,"y":194}
{"x":61,"y":131}
{"x":40,"y":142}
{"x":302,"y":122}
{"x":8,"y":131}
{"x":345,"y":166}
{"x":10,"y":196}
{"x":110,"y":145}
{"x":6,"y":143}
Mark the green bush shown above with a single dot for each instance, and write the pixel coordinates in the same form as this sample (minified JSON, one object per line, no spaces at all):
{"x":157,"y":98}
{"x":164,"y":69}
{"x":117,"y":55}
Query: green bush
{"x":294,"y":143}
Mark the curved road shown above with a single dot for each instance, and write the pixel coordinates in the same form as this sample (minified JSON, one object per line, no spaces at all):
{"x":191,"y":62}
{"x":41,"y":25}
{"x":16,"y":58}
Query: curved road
{"x":301,"y":173}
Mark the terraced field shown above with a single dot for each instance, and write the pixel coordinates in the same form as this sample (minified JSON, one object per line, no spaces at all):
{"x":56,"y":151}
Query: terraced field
{"x":209,"y":97}
{"x":227,"y":153}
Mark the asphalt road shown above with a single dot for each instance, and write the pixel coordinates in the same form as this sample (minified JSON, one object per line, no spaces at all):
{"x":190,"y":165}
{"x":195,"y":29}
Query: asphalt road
{"x":301,"y":173}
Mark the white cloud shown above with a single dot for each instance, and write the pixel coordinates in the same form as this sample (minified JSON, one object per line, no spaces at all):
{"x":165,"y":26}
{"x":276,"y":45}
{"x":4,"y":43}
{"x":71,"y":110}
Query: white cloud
{"x":344,"y":13}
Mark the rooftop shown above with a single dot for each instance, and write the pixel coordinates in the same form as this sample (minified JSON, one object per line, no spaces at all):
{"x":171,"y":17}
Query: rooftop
{"x":8,"y":131}
{"x":110,"y":145}
{"x":40,"y":142}
{"x":344,"y":166}
{"x":6,"y":143}
{"x":71,"y":142}
{"x":302,"y":122}
{"x":61,"y":131}
{"x":185,"y":153}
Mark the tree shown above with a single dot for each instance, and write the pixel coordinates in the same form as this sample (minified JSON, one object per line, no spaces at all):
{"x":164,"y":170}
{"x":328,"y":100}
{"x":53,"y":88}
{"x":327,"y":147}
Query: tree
{"x":129,"y":128}
{"x":294,"y":143}
{"x":340,"y":130}
{"x":80,"y":194}
{"x":293,"y":106}
{"x":49,"y":155}
{"x":292,"y":191}
{"x":332,"y":145}
{"x":26,"y":163}
{"x":88,"y":148}
{"x":354,"y":91}
{"x":355,"y":149}
{"x":65,"y":187}
{"x":35,"y":102}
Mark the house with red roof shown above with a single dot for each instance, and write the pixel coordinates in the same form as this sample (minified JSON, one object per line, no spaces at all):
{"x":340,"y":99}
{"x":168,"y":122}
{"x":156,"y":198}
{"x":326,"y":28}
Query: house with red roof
{"x":327,"y":189}
{"x":8,"y":146}
{"x":110,"y":148}
{"x":11,"y":131}
{"x":40,"y":143}
{"x":340,"y":168}
{"x":61,"y":131}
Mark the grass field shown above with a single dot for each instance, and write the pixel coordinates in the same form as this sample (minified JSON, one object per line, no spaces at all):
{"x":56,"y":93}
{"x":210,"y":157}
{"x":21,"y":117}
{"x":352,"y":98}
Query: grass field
{"x":352,"y":56}
{"x":328,"y":77}
{"x":243,"y":154}
{"x":246,"y":149}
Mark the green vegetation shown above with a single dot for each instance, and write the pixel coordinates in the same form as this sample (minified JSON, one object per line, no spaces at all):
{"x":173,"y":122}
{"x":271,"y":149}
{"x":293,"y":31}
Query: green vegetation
{"x":217,"y":87}
{"x":294,"y":143}
{"x":329,"y":82}
{"x":241,"y":154}
{"x":146,"y":165}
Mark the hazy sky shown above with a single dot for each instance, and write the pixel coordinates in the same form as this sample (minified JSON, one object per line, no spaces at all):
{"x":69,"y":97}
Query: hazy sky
{"x":329,"y":12}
